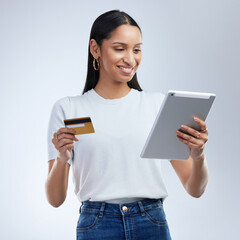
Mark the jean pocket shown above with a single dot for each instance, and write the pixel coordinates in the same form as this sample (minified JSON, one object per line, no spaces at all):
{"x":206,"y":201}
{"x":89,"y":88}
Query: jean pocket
{"x":87,"y":221}
{"x":156,"y":215}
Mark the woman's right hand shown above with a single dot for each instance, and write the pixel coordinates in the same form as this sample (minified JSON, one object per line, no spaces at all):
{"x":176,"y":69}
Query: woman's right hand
{"x":63,"y":142}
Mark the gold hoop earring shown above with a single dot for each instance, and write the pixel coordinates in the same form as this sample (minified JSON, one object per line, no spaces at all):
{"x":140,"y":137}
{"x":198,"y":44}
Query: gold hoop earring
{"x":94,"y":64}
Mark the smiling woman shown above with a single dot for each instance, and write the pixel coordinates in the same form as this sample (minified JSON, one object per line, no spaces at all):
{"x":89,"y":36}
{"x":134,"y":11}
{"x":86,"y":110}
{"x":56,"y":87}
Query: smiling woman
{"x":118,"y":57}
{"x":105,"y":27}
{"x":121,"y":194}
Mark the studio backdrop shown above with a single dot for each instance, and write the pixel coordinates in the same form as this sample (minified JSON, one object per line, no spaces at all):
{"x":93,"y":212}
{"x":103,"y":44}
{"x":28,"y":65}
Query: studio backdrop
{"x":187,"y":45}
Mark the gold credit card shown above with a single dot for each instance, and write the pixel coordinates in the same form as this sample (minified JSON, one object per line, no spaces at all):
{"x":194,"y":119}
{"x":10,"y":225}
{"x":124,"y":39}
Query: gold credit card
{"x":81,"y":125}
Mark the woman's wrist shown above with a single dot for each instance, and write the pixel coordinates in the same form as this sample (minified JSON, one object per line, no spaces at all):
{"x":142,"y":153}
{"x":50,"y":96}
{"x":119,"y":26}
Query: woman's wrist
{"x":199,"y":158}
{"x":61,"y":160}
{"x":199,"y":162}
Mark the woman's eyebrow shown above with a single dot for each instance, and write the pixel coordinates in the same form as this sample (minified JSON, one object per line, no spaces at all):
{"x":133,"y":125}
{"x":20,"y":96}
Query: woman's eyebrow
{"x":122,"y":43}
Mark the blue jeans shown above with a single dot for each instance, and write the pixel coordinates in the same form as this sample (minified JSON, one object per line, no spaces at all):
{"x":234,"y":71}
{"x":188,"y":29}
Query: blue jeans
{"x":139,"y":220}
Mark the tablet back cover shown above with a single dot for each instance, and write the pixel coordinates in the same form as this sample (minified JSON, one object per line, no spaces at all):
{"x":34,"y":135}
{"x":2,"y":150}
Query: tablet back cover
{"x":177,"y":109}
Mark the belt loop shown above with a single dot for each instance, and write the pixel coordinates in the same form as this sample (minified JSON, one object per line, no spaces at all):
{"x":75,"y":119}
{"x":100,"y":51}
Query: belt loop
{"x":101,"y":210}
{"x":141,"y":208}
{"x":80,"y":208}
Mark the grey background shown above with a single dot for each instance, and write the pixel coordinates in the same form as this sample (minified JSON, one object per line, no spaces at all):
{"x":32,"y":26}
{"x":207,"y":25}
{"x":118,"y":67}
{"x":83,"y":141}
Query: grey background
{"x":188,"y":45}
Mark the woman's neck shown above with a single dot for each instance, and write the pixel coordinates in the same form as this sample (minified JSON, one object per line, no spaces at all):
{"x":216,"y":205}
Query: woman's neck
{"x":112,"y":91}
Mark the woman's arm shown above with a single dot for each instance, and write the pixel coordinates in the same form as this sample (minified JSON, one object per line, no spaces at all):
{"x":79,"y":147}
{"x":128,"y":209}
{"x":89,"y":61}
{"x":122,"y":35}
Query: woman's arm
{"x":193,"y":173}
{"x":57,"y":180}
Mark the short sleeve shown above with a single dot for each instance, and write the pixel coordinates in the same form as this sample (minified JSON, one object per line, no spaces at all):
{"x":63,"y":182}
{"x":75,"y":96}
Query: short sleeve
{"x":56,"y":121}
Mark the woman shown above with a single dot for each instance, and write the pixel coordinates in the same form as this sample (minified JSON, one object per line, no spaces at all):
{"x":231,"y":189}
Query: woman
{"x":122,"y":195}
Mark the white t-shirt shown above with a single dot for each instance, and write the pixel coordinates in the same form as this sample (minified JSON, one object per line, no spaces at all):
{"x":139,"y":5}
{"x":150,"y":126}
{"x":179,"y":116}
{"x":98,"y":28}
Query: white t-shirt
{"x":106,"y":164}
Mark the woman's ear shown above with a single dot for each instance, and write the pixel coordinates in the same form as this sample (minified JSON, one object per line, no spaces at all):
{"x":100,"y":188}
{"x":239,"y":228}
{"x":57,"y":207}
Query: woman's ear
{"x":94,"y":48}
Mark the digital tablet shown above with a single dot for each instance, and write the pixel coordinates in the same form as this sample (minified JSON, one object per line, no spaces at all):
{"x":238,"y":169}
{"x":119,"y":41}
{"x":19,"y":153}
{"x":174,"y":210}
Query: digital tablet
{"x":178,"y":108}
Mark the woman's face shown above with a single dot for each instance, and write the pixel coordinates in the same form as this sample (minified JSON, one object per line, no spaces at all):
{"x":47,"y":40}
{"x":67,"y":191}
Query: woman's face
{"x":120,"y":55}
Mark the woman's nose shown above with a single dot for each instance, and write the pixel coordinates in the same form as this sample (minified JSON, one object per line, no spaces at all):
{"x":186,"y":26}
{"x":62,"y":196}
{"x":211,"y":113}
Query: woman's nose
{"x":129,"y":59}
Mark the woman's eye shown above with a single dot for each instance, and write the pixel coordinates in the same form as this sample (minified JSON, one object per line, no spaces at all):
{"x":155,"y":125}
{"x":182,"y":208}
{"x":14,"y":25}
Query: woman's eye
{"x":119,"y":49}
{"x":137,"y":50}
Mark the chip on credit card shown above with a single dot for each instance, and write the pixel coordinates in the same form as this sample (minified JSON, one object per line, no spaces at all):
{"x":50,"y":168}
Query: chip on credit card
{"x":80,"y":125}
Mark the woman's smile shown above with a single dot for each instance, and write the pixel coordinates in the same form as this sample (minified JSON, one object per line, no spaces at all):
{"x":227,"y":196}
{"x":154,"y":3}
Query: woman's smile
{"x":127,"y":70}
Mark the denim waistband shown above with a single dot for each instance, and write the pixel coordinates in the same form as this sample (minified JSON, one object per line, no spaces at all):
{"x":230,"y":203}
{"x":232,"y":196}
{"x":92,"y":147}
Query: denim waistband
{"x":120,"y":209}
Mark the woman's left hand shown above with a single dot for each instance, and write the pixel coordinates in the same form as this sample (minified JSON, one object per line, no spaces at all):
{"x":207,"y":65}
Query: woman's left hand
{"x":196,"y":140}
